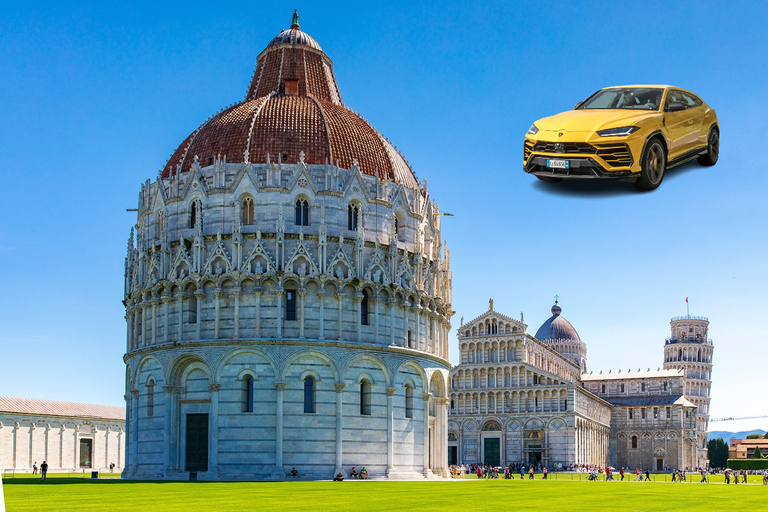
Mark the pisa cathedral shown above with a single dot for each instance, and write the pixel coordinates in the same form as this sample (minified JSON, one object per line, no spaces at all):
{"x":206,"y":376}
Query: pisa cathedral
{"x":287,"y":293}
{"x":517,"y":398}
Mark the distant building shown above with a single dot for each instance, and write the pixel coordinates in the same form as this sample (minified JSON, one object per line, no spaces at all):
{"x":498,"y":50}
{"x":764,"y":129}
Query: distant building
{"x":520,"y":398}
{"x":69,"y":436}
{"x":745,"y":448}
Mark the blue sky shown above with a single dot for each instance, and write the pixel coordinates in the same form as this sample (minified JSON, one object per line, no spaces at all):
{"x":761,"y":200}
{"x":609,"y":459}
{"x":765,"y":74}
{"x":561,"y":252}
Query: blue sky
{"x":95,"y":97}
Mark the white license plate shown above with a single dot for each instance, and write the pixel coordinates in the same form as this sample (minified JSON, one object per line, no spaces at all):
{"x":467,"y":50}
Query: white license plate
{"x":558,"y":164}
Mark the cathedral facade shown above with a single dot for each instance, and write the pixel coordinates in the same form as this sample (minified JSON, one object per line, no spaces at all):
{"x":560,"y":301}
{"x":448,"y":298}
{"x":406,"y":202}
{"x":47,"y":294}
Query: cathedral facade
{"x":517,"y":398}
{"x":287,"y":293}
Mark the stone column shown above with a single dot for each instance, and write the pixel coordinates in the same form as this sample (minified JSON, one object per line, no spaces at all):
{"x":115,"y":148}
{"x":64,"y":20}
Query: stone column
{"x":358,"y":308}
{"x":279,"y":472}
{"x":340,"y":301}
{"x":321,"y":299}
{"x":134,"y":433}
{"x":213,"y":466}
{"x":390,"y":429}
{"x":425,"y":454}
{"x":200,"y":296}
{"x":257,"y":327}
{"x":406,"y":307}
{"x":171,"y":417}
{"x":154,"y":322}
{"x":218,"y":294}
{"x":339,"y":429}
{"x":301,"y":293}
{"x":180,"y":321}
{"x":417,"y":317}
{"x":129,"y":332}
{"x":32,"y":428}
{"x":237,"y":293}
{"x":280,"y":293}
{"x":166,"y":316}
{"x":375,"y":302}
{"x":391,"y":305}
{"x":143,"y":312}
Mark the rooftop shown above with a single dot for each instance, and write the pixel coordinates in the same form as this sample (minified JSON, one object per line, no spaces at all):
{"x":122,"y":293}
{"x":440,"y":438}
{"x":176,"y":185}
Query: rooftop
{"x":63,"y":409}
{"x":633,"y":375}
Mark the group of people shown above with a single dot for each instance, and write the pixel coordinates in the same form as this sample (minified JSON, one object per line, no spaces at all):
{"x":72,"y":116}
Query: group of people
{"x":43,"y":470}
{"x":362,"y":475}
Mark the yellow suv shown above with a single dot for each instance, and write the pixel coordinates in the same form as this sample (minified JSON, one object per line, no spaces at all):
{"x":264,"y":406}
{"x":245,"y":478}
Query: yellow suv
{"x":632,"y":132}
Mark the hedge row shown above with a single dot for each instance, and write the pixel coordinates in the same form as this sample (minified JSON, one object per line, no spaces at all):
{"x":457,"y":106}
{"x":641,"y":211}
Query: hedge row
{"x":748,"y":463}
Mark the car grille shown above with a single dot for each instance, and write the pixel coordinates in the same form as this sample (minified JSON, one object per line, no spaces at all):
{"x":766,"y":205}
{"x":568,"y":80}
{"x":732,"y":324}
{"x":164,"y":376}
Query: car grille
{"x":615,"y":155}
{"x":527,"y":148}
{"x":568,"y":147}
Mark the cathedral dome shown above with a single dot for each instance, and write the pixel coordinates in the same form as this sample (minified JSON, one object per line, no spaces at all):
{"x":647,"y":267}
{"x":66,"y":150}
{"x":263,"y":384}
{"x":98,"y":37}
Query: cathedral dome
{"x":557,"y":329}
{"x":293,"y":112}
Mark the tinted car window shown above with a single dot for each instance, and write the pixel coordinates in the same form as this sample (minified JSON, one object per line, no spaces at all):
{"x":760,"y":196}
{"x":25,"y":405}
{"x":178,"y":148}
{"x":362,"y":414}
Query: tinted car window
{"x":634,"y":98}
{"x":674,"y":95}
{"x":691,"y":100}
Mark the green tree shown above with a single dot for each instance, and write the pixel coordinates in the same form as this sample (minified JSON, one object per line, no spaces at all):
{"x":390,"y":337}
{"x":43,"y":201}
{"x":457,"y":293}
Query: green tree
{"x":758,"y":454}
{"x":755,"y":436}
{"x":717,"y":451}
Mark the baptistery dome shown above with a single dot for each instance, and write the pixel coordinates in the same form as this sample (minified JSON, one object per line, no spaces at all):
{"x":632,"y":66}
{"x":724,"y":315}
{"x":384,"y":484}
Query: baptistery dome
{"x":287,"y":294}
{"x":293,"y":112}
{"x":558,"y":333}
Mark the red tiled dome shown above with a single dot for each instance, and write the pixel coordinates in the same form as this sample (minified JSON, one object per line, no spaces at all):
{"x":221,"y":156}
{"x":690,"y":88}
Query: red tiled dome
{"x":293,"y":105}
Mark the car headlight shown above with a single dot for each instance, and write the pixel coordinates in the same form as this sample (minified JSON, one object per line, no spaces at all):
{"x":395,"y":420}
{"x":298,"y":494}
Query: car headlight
{"x":618,"y":132}
{"x":532,"y":130}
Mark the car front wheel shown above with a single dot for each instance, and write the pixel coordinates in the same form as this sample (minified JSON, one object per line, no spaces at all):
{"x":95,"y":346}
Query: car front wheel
{"x":713,"y":149}
{"x":652,"y":166}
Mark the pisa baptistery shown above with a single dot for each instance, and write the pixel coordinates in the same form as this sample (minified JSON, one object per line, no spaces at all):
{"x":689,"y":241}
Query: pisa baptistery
{"x":287,"y":293}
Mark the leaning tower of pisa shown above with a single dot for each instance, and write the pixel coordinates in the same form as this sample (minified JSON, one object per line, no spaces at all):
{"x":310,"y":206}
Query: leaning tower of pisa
{"x":690,"y":349}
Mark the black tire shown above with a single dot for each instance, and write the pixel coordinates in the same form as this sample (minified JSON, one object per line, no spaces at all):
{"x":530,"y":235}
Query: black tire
{"x":652,"y":166}
{"x":713,"y":148}
{"x":549,"y":179}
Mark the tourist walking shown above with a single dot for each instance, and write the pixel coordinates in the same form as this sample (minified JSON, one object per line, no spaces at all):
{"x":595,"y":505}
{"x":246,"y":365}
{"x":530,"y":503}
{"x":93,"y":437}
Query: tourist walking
{"x":530,"y":473}
{"x":647,"y":476}
{"x":43,"y":470}
{"x":34,"y":468}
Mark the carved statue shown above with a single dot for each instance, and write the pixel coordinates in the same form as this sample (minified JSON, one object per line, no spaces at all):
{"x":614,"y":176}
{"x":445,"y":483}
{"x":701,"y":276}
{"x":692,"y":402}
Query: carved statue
{"x":258,"y":268}
{"x":490,"y":304}
{"x":303,"y":269}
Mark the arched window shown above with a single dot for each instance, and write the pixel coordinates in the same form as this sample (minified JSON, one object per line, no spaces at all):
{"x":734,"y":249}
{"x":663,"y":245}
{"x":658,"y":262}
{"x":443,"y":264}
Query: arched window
{"x":192,"y":309}
{"x":642,"y":386}
{"x":151,"y":398}
{"x":665,"y":386}
{"x":364,"y":308}
{"x":309,"y":394}
{"x":410,"y":339}
{"x":302,"y":212}
{"x":353,"y":214}
{"x":290,"y":304}
{"x":602,"y":388}
{"x":247,"y":211}
{"x":248,"y":394}
{"x":365,"y":397}
{"x":195,"y":209}
{"x":622,"y":387}
{"x":634,"y":441}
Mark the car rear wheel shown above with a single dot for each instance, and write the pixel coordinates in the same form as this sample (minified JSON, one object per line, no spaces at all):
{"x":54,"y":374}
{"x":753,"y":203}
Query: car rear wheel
{"x":549,"y":179}
{"x":652,"y":166}
{"x":713,"y":149}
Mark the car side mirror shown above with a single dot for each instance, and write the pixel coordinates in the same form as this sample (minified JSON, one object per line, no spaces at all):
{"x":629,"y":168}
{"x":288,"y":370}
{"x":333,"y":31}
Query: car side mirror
{"x":676,"y":106}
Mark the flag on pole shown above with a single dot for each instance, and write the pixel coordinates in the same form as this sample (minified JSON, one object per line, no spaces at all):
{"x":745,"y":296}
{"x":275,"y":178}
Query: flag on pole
{"x":686,"y":300}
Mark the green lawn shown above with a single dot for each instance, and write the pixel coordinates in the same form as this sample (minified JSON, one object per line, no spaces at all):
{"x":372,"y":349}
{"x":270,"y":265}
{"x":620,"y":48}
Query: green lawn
{"x":64,"y":493}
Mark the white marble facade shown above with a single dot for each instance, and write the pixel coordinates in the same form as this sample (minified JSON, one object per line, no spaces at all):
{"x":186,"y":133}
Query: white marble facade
{"x":70,"y":437}
{"x":528,"y":396}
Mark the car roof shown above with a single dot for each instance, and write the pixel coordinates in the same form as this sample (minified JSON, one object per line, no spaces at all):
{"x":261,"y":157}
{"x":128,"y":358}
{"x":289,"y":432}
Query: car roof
{"x":642,"y":85}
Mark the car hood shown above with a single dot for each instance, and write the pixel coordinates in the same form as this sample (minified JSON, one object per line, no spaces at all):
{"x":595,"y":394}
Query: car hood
{"x":593,"y":120}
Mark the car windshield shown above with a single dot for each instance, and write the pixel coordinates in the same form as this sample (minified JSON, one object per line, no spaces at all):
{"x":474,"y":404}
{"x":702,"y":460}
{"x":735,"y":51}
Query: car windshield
{"x":632,"y":98}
